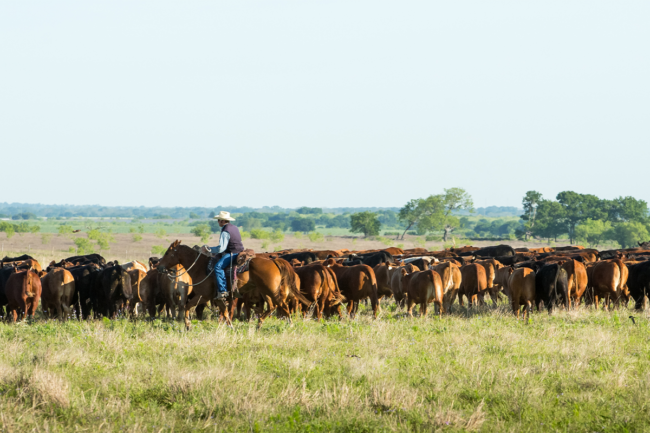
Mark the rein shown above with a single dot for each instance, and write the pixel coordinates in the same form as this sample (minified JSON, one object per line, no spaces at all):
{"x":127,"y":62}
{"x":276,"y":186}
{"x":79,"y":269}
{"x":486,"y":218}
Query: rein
{"x":168,"y":273}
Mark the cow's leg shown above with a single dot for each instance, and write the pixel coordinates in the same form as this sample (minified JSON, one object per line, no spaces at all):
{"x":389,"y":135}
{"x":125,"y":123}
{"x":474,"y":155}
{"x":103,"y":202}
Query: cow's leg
{"x":22,"y":308}
{"x":171,"y":305}
{"x":460,"y":299}
{"x":423,"y":310}
{"x":66,"y":310}
{"x":493,"y":295}
{"x":515,"y":307}
{"x":59,"y":312}
{"x":350,"y":309}
{"x":409,"y":308}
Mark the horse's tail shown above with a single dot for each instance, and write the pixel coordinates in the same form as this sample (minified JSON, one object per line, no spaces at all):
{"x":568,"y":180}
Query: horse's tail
{"x":288,"y":277}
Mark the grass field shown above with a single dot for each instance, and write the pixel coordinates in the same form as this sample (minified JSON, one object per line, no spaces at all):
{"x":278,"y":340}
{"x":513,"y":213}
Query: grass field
{"x":581,"y":371}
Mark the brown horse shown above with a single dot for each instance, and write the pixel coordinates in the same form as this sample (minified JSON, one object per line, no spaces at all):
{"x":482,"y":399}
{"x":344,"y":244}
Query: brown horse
{"x":274,"y":280}
{"x":204,"y":288}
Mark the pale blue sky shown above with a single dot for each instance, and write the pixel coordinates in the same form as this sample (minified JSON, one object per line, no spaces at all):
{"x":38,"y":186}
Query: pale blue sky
{"x":330,"y":103}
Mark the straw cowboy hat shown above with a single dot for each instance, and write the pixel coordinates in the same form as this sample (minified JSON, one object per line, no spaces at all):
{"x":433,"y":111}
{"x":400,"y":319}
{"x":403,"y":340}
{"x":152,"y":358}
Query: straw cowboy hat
{"x":223,"y":215}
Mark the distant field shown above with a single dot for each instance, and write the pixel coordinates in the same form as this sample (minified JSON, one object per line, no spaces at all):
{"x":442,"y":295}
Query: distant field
{"x":581,"y":371}
{"x":55,"y":247}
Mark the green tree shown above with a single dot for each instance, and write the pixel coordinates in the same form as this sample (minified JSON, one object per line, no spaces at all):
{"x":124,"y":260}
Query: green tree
{"x":425,"y":213}
{"x":84,"y":246}
{"x":65,"y":229}
{"x":626,"y":209}
{"x":454,"y":199}
{"x":277,"y":236}
{"x":628,"y":234}
{"x":550,"y":220}
{"x":303,"y":225}
{"x":203,"y":231}
{"x":365,"y":222}
{"x":530,"y":202}
{"x":579,"y":208}
{"x":260,"y":234}
{"x":593,"y":232}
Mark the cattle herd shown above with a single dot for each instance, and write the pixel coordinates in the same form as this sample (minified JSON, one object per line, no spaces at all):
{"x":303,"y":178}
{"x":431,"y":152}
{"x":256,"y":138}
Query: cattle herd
{"x":320,"y":282}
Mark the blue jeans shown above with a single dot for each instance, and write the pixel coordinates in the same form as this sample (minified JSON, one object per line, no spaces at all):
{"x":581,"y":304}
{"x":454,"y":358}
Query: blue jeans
{"x":222,"y":264}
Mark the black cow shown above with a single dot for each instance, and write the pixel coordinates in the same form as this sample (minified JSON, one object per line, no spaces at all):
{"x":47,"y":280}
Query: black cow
{"x":638,"y":281}
{"x":510,"y":260}
{"x":551,"y":286}
{"x":306,"y":257}
{"x":94,"y":258}
{"x":111,"y":290}
{"x":84,"y":278}
{"x":16,"y":259}
{"x":496,"y":251}
{"x":153,"y":262}
{"x":421,"y":264}
{"x":5,"y":273}
{"x":373,"y":259}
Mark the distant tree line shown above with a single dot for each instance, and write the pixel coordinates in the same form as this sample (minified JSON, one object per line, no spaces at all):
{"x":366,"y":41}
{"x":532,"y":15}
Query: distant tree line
{"x":32,"y":211}
{"x":585,"y":218}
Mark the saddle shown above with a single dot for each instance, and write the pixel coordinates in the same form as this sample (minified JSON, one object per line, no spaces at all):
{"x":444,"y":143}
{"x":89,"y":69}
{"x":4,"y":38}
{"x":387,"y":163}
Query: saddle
{"x":241,"y":264}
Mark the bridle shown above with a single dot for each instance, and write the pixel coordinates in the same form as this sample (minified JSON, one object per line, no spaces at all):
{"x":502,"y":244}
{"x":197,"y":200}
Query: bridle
{"x":168,"y":273}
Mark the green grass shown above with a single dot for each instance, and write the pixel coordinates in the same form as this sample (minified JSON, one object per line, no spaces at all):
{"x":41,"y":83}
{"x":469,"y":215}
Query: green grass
{"x":578,"y":371}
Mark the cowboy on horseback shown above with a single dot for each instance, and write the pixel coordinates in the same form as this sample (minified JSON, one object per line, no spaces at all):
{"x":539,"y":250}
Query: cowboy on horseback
{"x":230,"y":245}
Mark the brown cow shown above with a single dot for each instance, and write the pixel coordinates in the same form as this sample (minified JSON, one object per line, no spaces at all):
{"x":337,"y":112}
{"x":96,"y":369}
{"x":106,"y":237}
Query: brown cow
{"x":57,"y":291}
{"x":473,"y":285}
{"x":356,"y":283}
{"x":394,"y":251}
{"x":397,"y":288}
{"x":521,"y":287}
{"x":451,"y":280}
{"x":175,"y":288}
{"x":318,"y":285}
{"x":577,"y":278}
{"x":27,"y":264}
{"x":383,"y":272}
{"x":491,"y":266}
{"x":502,"y":277}
{"x":137,"y":275}
{"x":23,"y":291}
{"x":625,"y":292}
{"x":424,"y":288}
{"x":604,"y":279}
{"x":149,"y":294}
{"x":135,"y":265}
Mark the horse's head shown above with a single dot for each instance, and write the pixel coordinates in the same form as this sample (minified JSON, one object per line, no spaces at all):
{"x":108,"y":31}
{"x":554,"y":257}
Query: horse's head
{"x":171,"y":258}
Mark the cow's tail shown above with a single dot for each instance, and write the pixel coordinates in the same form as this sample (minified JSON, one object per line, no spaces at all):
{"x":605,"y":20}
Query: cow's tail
{"x":335,"y":297}
{"x":288,"y":277}
{"x":575,"y":281}
{"x":137,"y":285}
{"x":374,"y":298}
{"x":28,"y":285}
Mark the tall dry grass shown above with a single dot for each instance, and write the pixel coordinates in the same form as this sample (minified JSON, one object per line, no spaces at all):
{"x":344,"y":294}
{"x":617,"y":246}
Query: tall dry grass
{"x":478,"y":370}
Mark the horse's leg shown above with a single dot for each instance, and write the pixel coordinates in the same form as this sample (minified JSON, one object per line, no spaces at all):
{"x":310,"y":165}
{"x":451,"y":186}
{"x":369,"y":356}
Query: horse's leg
{"x":267,"y":313}
{"x":223,"y":309}
{"x":285,"y":307}
{"x":199,"y":311}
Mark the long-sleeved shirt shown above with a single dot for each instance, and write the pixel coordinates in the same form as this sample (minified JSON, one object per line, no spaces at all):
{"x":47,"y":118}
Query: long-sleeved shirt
{"x":223,"y":243}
